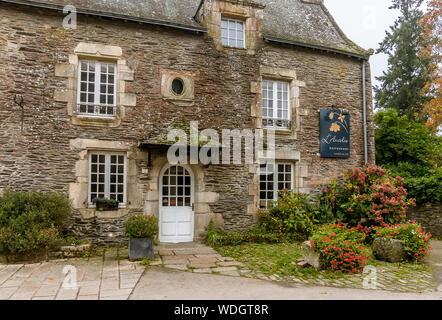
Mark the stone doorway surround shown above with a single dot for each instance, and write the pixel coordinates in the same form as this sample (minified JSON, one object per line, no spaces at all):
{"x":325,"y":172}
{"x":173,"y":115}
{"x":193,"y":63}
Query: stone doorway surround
{"x":202,"y":198}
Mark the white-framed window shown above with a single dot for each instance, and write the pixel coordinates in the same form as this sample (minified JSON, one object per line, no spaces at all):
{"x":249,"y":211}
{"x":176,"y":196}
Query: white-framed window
{"x":97,"y":88}
{"x":276,"y":104}
{"x":232,"y":33}
{"x":274,"y":177}
{"x":107,"y":177}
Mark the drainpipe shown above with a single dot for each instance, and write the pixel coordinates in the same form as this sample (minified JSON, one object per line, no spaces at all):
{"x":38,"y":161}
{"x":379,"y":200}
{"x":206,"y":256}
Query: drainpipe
{"x":364,"y":102}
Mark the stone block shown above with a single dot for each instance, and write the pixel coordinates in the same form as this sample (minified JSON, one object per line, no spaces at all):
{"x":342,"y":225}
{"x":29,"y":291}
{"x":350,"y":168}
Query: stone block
{"x":201,"y":265}
{"x":98,"y":50}
{"x":128,"y":99}
{"x":303,"y":171}
{"x":64,"y":95}
{"x":126,"y":75}
{"x":224,"y":269}
{"x":64,"y":70}
{"x":204,"y":270}
{"x":390,"y":250}
{"x":231,"y":264}
{"x":312,"y":257}
{"x":207,"y":197}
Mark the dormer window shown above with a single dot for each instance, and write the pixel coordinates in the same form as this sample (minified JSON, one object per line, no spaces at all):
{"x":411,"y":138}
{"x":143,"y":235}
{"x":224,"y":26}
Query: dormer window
{"x":232,"y":33}
{"x":97,"y":89}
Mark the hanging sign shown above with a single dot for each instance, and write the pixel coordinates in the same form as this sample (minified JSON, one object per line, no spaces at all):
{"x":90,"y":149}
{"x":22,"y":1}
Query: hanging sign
{"x":335,"y":134}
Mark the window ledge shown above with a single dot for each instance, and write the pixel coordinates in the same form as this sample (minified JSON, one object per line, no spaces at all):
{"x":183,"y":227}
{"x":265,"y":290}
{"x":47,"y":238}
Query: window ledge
{"x":120,"y":206}
{"x":236,"y":48}
{"x":282,"y":131}
{"x":95,"y":118}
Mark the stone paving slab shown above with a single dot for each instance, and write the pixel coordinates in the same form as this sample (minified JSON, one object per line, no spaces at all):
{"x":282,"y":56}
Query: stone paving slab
{"x":111,"y":278}
{"x":105,"y":277}
{"x":194,"y":257}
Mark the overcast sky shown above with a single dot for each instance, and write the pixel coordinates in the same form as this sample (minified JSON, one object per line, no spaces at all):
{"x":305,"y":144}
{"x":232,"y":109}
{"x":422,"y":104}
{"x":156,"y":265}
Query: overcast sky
{"x":365,"y":22}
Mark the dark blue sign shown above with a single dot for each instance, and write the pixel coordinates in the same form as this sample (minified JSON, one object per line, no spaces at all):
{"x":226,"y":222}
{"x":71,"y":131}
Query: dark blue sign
{"x":335,"y":134}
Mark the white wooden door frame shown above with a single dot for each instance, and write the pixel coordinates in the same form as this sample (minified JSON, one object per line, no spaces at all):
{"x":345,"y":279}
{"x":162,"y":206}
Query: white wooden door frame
{"x":192,"y":199}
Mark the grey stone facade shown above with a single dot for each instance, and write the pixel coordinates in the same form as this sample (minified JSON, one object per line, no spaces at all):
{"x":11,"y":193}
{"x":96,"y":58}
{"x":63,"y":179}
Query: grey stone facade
{"x":39,"y":60}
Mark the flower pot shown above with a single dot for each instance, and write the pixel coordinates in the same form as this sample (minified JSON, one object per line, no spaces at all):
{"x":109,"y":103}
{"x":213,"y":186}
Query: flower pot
{"x":140,"y":248}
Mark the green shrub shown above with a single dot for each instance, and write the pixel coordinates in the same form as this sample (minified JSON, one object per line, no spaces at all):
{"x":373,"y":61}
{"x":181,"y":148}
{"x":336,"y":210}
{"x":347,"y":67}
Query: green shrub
{"x":409,"y":150}
{"x":216,"y":237}
{"x":426,"y":189}
{"x":341,"y":248}
{"x":292,"y":216}
{"x":369,"y":197}
{"x":422,"y":183}
{"x":141,"y":226}
{"x":415,"y":240}
{"x":400,"y":140}
{"x":31,"y":221}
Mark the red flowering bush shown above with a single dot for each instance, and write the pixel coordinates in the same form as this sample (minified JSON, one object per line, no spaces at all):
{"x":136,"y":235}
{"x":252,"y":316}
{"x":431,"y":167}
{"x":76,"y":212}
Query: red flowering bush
{"x":340,"y":247}
{"x":368,"y":197}
{"x":414,"y":238}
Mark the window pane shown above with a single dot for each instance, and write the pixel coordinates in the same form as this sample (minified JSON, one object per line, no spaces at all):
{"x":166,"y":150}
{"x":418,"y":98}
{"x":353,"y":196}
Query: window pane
{"x":102,"y":185}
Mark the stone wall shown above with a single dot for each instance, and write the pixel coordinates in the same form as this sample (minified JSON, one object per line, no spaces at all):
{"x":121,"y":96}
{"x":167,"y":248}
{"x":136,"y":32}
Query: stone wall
{"x":41,"y":157}
{"x":430,"y":216}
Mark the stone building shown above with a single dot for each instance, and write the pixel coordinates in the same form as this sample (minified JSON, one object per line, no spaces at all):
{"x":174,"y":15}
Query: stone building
{"x":100,"y":92}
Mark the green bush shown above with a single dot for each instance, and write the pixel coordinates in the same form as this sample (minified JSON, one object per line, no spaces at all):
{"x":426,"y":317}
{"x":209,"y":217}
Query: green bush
{"x":367,"y":196}
{"x":216,"y":237}
{"x":341,"y":248}
{"x":415,"y":240}
{"x":292,"y":216}
{"x":31,"y":221}
{"x":141,"y":226}
{"x":409,"y":150}
{"x":400,"y":140}
{"x":425,"y":189}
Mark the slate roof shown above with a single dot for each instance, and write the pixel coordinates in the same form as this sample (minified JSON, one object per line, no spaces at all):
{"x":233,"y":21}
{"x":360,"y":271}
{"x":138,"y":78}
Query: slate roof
{"x":292,"y":21}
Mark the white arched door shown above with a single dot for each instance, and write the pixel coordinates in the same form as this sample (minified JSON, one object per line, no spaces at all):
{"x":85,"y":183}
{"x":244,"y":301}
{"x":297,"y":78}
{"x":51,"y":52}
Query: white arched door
{"x":176,"y":202}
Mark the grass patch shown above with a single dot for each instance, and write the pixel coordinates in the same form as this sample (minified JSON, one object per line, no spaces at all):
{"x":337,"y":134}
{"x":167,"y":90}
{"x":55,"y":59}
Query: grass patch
{"x":280,"y":259}
{"x":267,"y":259}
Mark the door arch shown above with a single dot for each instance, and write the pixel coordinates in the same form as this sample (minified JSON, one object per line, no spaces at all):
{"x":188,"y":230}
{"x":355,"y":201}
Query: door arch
{"x":176,"y":216}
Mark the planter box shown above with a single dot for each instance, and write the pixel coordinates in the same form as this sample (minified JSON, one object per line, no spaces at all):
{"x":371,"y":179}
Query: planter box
{"x":141,"y":248}
{"x":106,"y":206}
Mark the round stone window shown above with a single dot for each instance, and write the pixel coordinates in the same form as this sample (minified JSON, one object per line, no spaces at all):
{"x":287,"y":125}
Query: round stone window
{"x":178,"y":86}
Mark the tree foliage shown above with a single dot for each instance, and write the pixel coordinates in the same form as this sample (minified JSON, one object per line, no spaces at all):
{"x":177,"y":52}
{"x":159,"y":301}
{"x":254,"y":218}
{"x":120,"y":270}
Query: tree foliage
{"x":431,"y":46}
{"x":399,"y":140}
{"x":401,"y":86}
{"x":412,"y":151}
